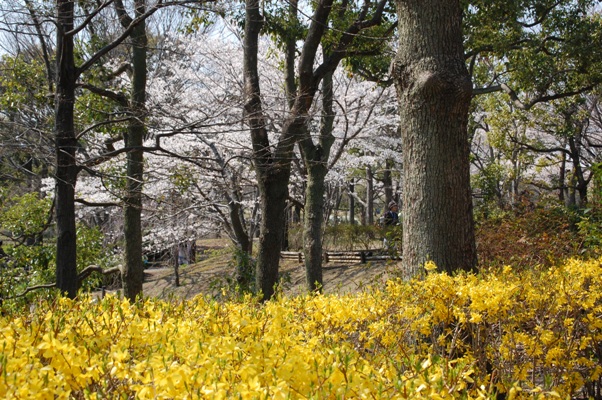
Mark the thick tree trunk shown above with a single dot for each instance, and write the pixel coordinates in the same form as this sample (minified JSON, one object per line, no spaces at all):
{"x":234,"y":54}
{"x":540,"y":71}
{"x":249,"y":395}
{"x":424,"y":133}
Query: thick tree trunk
{"x":133,"y":271}
{"x":434,"y":91}
{"x":272,"y":169}
{"x":273,"y":185}
{"x":66,"y":145}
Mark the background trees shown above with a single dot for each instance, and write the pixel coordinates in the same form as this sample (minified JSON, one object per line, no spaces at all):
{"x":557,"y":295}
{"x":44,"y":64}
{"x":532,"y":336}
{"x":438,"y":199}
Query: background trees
{"x":324,"y":141}
{"x":540,"y":56}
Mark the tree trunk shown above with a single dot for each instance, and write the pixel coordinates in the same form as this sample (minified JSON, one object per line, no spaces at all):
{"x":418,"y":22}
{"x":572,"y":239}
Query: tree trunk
{"x":273,"y":185}
{"x":388,"y":183}
{"x":369,"y":196}
{"x":434,"y":92}
{"x":273,"y":163}
{"x":579,"y":177}
{"x":562,"y":178}
{"x":133,"y":271}
{"x":316,"y":160}
{"x":351,"y":202}
{"x":273,"y":170}
{"x":66,"y":145}
{"x":238,"y":226}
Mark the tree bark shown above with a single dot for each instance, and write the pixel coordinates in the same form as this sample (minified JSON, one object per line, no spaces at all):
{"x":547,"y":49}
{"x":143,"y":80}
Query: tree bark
{"x":315,"y":157}
{"x":369,"y":196}
{"x":133,"y":271}
{"x":579,"y":179}
{"x":388,"y":183}
{"x":351,"y":188}
{"x":273,"y":166}
{"x":66,"y":145}
{"x":273,"y":170}
{"x":434,"y":92}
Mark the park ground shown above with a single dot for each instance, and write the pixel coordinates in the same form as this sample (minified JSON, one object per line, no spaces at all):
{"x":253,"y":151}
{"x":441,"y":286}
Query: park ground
{"x":209,"y":275}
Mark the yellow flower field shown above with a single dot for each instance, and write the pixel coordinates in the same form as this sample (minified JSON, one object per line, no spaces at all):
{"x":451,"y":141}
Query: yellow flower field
{"x":526,"y":334}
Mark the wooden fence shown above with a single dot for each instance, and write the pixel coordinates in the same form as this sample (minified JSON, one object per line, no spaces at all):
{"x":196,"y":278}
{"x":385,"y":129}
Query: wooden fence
{"x":357,"y":256}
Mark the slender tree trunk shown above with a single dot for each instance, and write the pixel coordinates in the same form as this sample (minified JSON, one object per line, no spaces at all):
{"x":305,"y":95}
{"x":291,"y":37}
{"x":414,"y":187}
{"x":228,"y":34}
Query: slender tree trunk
{"x":434,"y":92}
{"x":133,"y":271}
{"x":369,"y":196}
{"x":236,"y":218}
{"x":66,"y":145}
{"x":562,"y":178}
{"x":388,"y":182}
{"x":316,"y":160}
{"x":579,"y":178}
{"x":351,"y":202}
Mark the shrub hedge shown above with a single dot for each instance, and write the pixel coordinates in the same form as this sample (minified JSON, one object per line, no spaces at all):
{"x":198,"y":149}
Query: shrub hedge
{"x":521,"y":333}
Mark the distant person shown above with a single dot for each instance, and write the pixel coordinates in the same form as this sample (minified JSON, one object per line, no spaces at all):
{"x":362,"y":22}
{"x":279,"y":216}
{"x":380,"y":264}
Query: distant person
{"x":391,"y":217}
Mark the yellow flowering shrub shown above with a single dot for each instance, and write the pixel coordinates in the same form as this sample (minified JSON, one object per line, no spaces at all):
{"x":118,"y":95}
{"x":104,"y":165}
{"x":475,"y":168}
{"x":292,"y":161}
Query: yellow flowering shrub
{"x":533,"y":334}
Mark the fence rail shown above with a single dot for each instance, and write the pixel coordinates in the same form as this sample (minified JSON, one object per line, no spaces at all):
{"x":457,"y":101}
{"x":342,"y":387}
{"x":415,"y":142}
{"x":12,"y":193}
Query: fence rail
{"x":358,"y":256}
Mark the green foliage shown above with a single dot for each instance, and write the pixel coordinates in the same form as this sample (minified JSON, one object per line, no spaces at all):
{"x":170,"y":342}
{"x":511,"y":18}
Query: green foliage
{"x":27,"y":266}
{"x":279,"y":25}
{"x":241,"y":281}
{"x":487,"y":181}
{"x":182,"y":179}
{"x":541,"y":47}
{"x":393,"y":238}
{"x":244,"y":266}
{"x":23,"y":85}
{"x":352,"y":237}
{"x":372,"y":50}
{"x":32,"y":252}
{"x":25,"y":219}
{"x":590,"y":229}
{"x":92,"y":250}
{"x":25,"y":216}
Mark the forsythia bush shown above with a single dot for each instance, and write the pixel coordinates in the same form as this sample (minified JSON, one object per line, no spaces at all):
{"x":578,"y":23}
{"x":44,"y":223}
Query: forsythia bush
{"x":533,"y":334}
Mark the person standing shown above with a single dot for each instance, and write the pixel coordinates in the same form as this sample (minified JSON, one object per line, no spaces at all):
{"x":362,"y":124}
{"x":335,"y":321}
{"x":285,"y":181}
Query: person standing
{"x":392,"y":216}
{"x":390,"y":219}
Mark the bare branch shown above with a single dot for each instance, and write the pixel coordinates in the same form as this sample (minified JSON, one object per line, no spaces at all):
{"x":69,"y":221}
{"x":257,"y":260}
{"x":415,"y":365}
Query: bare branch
{"x":81,"y":276}
{"x":91,"y":204}
{"x":109,"y":94}
{"x":86,"y":272}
